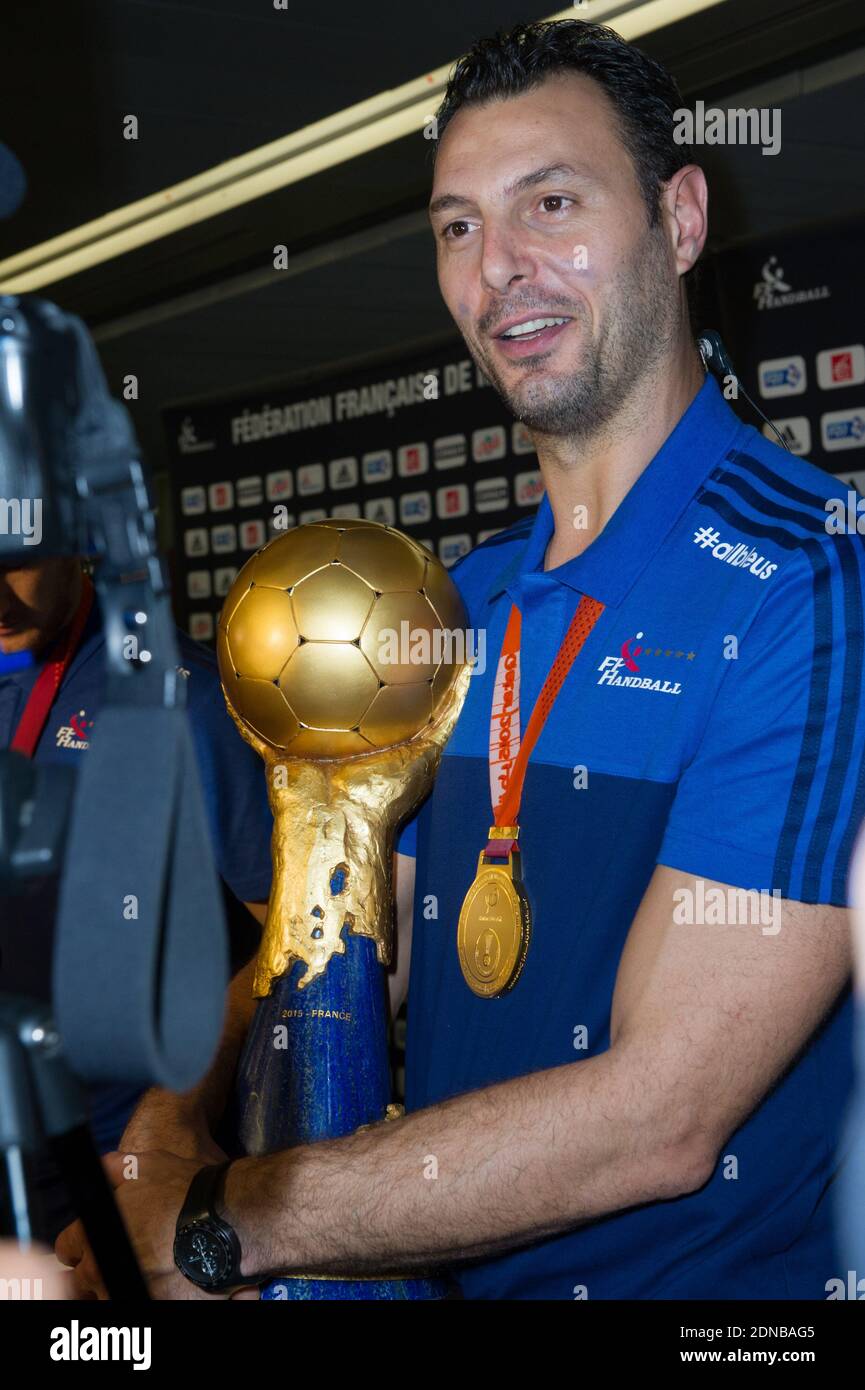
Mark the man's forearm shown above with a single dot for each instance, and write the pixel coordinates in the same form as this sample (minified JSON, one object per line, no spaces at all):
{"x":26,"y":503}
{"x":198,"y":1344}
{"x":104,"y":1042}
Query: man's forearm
{"x":481,"y":1173}
{"x":181,"y":1122}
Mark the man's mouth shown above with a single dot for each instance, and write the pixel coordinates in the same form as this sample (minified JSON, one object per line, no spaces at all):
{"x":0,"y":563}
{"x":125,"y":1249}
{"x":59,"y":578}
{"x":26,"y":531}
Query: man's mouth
{"x":530,"y":333}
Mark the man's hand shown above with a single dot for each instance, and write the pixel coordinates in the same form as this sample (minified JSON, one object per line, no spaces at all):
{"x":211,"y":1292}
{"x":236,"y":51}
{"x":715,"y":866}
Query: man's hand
{"x":149,"y":1204}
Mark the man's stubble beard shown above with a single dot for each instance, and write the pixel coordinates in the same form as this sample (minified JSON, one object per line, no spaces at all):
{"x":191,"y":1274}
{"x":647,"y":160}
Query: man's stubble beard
{"x":638,"y":332}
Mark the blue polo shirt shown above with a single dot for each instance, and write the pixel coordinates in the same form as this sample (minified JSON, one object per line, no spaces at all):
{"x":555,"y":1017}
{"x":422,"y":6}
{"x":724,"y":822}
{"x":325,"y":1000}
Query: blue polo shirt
{"x":716,"y":709}
{"x":235,"y":795}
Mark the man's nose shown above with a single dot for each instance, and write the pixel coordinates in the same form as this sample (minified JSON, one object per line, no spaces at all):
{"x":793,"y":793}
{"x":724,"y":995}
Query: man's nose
{"x":505,"y":259}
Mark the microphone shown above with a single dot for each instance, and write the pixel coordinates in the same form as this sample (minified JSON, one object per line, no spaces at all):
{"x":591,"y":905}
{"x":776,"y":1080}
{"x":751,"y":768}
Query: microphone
{"x":13,"y":183}
{"x":716,"y":360}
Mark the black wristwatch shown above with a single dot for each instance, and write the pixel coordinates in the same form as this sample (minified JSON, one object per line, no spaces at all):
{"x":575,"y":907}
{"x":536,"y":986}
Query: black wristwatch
{"x":206,"y":1248}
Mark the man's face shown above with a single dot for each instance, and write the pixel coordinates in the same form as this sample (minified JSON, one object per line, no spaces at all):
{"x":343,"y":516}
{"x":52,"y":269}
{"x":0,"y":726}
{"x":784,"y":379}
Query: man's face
{"x":36,"y":601}
{"x":538,"y":214}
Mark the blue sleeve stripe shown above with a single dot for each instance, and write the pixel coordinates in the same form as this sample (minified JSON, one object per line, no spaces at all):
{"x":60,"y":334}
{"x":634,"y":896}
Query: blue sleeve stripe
{"x":725,"y":508}
{"x":850,"y":708}
{"x":846,"y":725}
{"x":815,"y":724}
{"x":816,"y":525}
{"x":777,"y":482}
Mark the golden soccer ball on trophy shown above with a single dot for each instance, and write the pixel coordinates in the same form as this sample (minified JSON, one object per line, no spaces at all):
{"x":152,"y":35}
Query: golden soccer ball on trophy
{"x":339,"y":638}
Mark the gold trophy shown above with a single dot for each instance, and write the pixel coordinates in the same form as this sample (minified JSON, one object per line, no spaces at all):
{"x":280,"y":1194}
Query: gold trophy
{"x":342,"y":654}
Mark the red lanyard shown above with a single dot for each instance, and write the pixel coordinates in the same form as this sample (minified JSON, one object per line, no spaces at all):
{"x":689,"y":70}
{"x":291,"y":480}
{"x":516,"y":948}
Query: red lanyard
{"x":49,"y":680}
{"x":509,"y":755}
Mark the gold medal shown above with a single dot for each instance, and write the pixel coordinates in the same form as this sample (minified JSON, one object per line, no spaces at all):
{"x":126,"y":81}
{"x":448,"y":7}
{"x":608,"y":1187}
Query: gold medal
{"x":495,"y":920}
{"x":494,"y":924}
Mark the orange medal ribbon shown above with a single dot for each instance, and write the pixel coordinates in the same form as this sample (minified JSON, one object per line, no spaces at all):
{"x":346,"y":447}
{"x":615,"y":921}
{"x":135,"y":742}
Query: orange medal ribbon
{"x":509,"y":754}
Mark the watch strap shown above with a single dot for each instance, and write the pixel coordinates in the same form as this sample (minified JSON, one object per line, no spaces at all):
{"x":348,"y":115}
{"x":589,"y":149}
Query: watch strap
{"x":205,"y":1195}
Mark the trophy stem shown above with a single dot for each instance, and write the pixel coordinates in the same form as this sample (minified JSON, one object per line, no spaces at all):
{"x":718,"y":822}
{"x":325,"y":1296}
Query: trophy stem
{"x":315,"y":1065}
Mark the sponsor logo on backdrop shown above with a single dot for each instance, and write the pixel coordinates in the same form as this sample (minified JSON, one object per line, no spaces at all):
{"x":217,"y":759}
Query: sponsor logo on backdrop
{"x":198,"y":584}
{"x":250,"y":492}
{"x":195,"y":541}
{"x":221,"y":496}
{"x":310,"y":479}
{"x":453,"y":548}
{"x":307,"y":518}
{"x":843,"y":429}
{"x":378,"y":466}
{"x":223,"y":538}
{"x":773,"y":292}
{"x":488,"y":444}
{"x":491,"y":495}
{"x":193,"y":501}
{"x":521,"y":440}
{"x":843,"y":366}
{"x":188,"y":441}
{"x":782,"y":376}
{"x":381,"y":509}
{"x":412,"y":459}
{"x":415,"y":508}
{"x":451,"y":451}
{"x":223,"y":579}
{"x":795,"y":430}
{"x":348,"y":509}
{"x":342,"y":473}
{"x":201,"y":626}
{"x":528,"y":488}
{"x":280,"y":522}
{"x":735,"y":553}
{"x":252,"y":534}
{"x":452,"y":501}
{"x":279,"y":485}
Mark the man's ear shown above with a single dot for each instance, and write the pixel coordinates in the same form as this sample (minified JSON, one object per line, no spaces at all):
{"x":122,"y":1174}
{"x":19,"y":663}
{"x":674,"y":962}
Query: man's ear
{"x":684,"y":200}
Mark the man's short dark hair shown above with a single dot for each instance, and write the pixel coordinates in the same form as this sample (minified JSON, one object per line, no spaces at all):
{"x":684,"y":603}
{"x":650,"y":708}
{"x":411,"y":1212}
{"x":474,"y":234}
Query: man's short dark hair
{"x":643,"y":94}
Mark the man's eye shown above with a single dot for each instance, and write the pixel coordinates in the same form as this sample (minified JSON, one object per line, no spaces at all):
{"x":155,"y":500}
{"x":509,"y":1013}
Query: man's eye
{"x":556,"y":198}
{"x":456,"y":229}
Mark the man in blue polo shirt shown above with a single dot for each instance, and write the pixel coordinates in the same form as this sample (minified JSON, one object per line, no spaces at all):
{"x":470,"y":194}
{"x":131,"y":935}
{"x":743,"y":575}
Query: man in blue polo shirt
{"x":642,"y":1097}
{"x":38,"y":603}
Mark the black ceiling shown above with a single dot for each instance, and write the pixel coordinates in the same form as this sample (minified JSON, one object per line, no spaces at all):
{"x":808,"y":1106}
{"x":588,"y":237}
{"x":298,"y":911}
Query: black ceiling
{"x":202,"y":312}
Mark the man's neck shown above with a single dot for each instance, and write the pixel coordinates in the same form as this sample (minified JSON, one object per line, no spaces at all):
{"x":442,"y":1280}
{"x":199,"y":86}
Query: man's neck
{"x":586,"y":479}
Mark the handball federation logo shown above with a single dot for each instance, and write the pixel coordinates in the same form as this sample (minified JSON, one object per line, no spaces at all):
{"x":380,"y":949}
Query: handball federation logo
{"x":772,"y":290}
{"x":75,"y":733}
{"x":612,"y":668}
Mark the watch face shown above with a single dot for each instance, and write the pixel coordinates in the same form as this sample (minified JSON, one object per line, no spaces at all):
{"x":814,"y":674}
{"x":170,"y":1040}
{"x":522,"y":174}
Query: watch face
{"x":202,"y":1253}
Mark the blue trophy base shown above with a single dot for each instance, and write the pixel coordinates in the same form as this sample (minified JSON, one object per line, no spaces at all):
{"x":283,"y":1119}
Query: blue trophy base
{"x":353,"y":1290}
{"x":315,"y":1066}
